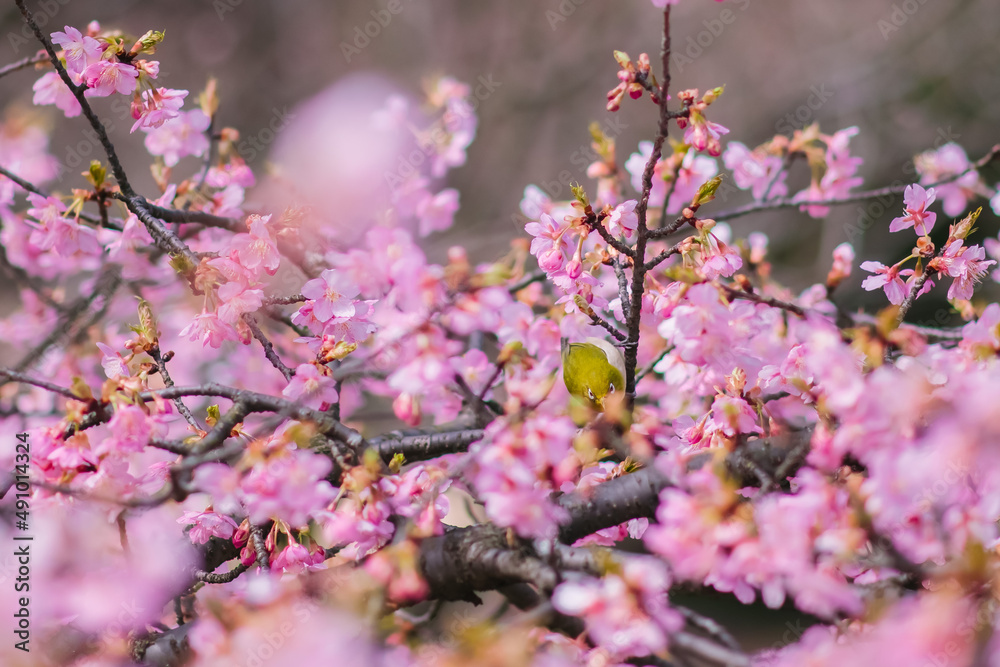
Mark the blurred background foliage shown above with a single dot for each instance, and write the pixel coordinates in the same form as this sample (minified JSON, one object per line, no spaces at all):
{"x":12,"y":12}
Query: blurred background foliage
{"x":912,"y":75}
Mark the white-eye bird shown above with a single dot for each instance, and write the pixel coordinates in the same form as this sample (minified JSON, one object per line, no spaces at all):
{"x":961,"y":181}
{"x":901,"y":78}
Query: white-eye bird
{"x":592,"y":370}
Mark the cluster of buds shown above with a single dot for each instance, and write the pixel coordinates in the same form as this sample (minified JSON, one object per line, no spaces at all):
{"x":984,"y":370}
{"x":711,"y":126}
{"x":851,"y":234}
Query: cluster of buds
{"x":633,"y":79}
{"x":699,"y":132}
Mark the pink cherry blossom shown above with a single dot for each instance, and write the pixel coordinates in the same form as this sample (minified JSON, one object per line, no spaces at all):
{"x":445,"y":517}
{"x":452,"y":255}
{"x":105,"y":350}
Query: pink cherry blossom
{"x":157,"y":106}
{"x":756,"y":171}
{"x":623,"y":219}
{"x":332,"y":295}
{"x":105,"y":77}
{"x":79,"y":50}
{"x":112,"y":362}
{"x":25,"y":151}
{"x":179,"y":136}
{"x":703,"y":134}
{"x":236,"y":299}
{"x":437,"y":212}
{"x":131,"y":429}
{"x":843,"y":262}
{"x":258,"y":249}
{"x":626,"y":613}
{"x":916,"y":200}
{"x":967,"y":265}
{"x":943,"y":163}
{"x":210,"y":329}
{"x":206,"y":525}
{"x":549,"y":244}
{"x":310,"y":387}
{"x":984,"y":331}
{"x":290,"y":487}
{"x":886,"y":277}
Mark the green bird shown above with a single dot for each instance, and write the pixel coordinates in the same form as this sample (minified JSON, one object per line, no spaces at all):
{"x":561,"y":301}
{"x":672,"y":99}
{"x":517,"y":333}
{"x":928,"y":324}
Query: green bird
{"x":592,"y":370}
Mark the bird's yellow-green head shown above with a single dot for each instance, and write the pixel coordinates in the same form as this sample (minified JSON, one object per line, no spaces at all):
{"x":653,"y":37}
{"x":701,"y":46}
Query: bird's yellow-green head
{"x":593,"y":370}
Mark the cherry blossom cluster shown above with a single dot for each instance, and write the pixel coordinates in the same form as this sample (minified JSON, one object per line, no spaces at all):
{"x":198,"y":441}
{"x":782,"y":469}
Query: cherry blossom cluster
{"x":298,"y":425}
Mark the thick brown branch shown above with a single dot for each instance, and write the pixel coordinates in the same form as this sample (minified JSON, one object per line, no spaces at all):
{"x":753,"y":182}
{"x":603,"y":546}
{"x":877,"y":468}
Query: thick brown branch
{"x":478,"y":558}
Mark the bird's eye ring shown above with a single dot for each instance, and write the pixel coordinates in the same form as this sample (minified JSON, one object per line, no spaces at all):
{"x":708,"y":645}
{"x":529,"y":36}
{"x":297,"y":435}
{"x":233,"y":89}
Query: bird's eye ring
{"x":590,"y":393}
{"x":611,"y":388}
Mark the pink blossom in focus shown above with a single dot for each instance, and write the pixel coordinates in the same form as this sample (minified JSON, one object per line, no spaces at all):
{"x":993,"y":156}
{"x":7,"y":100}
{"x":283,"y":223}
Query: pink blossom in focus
{"x":916,"y":201}
{"x":206,"y":525}
{"x":79,"y":50}
{"x":966,"y":265}
{"x":886,"y":277}
{"x":332,"y":295}
{"x":105,"y":77}
{"x":623,"y":219}
{"x":158,"y":105}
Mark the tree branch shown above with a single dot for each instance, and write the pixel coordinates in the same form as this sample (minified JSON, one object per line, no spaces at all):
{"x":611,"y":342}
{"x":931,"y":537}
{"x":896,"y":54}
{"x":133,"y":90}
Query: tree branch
{"x":890,"y":190}
{"x":23,"y":63}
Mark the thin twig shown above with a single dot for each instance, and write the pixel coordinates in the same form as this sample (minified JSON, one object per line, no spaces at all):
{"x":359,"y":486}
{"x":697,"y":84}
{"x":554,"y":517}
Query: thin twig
{"x":662,"y":257}
{"x":162,"y":236}
{"x":607,"y":326}
{"x":709,"y":625}
{"x":596,"y":223}
{"x":652,"y":365}
{"x":633,"y":318}
{"x":23,"y":63}
{"x":269,"y":352}
{"x":789,"y":202}
{"x":106,"y":285}
{"x":15,"y":376}
{"x":161,"y":366}
{"x":535,"y":277}
{"x":26,"y":185}
{"x":765,"y":300}
{"x":918,"y":285}
{"x":619,"y":264}
{"x":707,"y":650}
